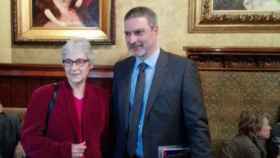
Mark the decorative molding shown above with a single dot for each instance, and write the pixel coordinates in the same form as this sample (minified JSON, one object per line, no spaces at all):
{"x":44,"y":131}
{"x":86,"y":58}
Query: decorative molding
{"x":204,"y":19}
{"x":49,"y":70}
{"x":235,"y":59}
{"x":208,"y":17}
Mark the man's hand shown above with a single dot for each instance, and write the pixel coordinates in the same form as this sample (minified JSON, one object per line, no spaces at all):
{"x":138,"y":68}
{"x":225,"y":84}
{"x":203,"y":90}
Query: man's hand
{"x":78,"y":150}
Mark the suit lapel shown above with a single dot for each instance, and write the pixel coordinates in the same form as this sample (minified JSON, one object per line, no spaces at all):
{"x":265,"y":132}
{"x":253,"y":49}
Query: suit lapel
{"x":125,"y":90}
{"x":160,"y":74}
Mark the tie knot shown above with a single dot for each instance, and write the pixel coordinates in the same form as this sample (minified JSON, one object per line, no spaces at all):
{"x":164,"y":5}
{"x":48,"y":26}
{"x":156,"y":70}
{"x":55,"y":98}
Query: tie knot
{"x":142,"y":66}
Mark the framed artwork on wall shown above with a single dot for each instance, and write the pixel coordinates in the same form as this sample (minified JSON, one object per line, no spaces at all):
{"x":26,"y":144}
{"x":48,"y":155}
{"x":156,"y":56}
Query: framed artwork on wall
{"x":55,"y":21}
{"x":234,"y":16}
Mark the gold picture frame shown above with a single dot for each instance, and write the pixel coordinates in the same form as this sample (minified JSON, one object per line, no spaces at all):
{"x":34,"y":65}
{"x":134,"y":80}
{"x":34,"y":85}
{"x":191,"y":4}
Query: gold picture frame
{"x":25,"y":31}
{"x":204,"y":18}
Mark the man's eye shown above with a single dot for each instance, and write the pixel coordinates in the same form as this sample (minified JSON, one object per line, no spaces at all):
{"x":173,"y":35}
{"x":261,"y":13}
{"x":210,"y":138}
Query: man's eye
{"x":139,"y":32}
{"x":127,"y":33}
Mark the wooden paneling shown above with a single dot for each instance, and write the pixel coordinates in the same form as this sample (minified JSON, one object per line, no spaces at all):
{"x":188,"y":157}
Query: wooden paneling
{"x":17,"y":81}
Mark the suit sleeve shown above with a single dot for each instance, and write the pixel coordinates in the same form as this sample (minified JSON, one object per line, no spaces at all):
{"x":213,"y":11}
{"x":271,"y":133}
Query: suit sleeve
{"x":34,"y":142}
{"x":195,"y":117}
{"x":113,"y":115}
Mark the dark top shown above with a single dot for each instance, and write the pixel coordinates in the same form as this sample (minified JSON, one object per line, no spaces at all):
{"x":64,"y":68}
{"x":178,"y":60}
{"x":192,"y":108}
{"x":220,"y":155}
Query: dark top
{"x":9,"y":134}
{"x":274,"y":142}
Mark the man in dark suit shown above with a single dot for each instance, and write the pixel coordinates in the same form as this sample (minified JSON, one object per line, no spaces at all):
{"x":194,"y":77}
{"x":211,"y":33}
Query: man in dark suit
{"x":157,"y":98}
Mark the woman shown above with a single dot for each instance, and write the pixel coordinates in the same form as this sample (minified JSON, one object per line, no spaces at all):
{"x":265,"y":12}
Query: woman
{"x":78,"y":124}
{"x":71,"y":13}
{"x":254,"y":131}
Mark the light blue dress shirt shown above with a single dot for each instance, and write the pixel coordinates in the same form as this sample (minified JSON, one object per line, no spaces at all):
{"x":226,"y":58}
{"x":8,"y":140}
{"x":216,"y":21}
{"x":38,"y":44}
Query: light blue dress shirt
{"x":149,"y":74}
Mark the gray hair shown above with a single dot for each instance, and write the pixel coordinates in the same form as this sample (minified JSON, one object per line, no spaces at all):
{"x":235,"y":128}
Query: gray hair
{"x":77,"y":45}
{"x":142,"y":12}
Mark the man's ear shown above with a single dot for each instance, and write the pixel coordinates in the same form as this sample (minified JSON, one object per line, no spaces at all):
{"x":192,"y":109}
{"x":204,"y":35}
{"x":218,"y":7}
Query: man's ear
{"x":1,"y":107}
{"x":155,"y":28}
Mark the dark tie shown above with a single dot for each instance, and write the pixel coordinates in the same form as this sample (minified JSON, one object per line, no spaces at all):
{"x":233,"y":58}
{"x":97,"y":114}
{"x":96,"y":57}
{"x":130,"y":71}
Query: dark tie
{"x":136,"y":110}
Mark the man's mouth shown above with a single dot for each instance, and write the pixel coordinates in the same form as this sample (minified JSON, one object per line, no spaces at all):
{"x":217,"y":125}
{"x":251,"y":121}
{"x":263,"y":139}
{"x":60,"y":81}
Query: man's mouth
{"x":135,"y":47}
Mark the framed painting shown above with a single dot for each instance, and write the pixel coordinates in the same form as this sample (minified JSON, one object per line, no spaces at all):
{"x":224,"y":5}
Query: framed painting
{"x":234,"y":16}
{"x":55,"y":21}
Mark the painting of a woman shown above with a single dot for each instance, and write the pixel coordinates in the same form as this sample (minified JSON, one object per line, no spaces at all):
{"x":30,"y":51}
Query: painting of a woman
{"x":65,"y":13}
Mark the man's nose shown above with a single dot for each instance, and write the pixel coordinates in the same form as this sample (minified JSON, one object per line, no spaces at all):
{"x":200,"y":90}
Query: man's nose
{"x":131,"y":39}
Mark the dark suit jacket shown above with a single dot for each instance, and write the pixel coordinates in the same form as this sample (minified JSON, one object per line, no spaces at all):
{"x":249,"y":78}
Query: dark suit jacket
{"x":9,"y":134}
{"x":175,"y":113}
{"x":63,"y":123}
{"x":274,"y":141}
{"x":242,"y":146}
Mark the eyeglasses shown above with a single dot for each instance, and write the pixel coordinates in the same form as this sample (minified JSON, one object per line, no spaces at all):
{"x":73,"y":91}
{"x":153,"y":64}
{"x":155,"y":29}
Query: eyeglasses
{"x":79,"y":62}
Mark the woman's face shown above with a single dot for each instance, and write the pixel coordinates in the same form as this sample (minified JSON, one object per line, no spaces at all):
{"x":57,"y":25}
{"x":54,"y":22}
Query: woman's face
{"x":264,"y":132}
{"x":77,"y":67}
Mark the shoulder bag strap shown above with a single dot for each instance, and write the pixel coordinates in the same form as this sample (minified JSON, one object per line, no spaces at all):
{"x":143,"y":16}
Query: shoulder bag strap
{"x":51,"y":105}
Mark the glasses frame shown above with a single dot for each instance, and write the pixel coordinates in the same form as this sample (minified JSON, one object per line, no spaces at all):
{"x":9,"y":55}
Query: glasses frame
{"x":79,"y":62}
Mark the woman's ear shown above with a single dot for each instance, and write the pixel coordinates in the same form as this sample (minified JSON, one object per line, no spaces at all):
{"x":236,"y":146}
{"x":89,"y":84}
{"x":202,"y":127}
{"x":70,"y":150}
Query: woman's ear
{"x":78,"y":3}
{"x":91,"y":66}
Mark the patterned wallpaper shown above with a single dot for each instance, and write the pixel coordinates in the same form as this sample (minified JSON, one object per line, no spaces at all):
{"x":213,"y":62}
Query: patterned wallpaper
{"x":228,"y":93}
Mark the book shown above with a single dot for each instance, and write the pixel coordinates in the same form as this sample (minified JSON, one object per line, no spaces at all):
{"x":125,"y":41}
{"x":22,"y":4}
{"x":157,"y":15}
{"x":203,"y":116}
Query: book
{"x":173,"y":151}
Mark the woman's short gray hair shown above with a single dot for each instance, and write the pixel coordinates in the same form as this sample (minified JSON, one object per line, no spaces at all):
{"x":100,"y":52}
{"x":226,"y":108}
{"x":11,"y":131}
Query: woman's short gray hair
{"x":77,"y":45}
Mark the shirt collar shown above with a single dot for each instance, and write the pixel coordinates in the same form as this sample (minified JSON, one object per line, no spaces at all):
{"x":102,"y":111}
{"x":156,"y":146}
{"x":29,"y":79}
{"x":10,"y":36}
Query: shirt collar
{"x":150,"y":61}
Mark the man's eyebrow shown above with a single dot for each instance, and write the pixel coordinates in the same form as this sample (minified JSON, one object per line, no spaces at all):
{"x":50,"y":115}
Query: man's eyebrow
{"x":134,"y":31}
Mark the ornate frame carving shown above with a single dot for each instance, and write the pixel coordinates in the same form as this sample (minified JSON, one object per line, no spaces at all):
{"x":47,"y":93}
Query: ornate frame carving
{"x":203,"y":18}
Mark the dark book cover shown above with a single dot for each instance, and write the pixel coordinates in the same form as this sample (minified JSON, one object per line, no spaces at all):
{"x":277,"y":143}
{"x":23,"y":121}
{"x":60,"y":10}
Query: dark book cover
{"x":173,"y":151}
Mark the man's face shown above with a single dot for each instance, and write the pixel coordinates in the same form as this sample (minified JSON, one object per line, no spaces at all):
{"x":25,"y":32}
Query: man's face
{"x":140,"y":36}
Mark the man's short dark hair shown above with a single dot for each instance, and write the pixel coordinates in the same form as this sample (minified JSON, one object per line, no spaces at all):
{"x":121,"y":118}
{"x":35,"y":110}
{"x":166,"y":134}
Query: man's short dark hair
{"x":142,"y":12}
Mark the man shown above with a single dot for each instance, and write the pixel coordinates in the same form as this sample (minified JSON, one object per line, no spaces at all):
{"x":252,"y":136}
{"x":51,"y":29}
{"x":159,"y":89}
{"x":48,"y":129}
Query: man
{"x":171,"y":106}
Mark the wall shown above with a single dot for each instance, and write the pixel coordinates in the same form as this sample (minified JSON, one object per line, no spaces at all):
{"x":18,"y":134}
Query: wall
{"x":5,"y":31}
{"x":173,"y":35}
{"x":221,"y":90}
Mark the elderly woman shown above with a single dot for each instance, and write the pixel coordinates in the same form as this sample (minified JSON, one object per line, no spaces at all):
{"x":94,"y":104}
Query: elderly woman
{"x":78,"y":123}
{"x":254,"y":131}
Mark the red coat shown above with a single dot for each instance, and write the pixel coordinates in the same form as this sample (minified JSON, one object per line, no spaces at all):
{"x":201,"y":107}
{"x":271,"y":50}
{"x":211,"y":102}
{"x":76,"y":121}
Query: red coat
{"x":63,"y":127}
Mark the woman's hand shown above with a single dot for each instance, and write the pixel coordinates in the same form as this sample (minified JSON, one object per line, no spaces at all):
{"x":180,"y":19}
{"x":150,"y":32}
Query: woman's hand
{"x":78,"y":150}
